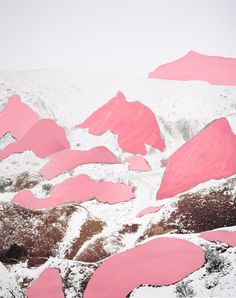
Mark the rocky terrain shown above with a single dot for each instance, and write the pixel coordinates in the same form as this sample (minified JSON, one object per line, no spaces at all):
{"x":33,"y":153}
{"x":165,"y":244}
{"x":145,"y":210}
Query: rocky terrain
{"x":79,"y":236}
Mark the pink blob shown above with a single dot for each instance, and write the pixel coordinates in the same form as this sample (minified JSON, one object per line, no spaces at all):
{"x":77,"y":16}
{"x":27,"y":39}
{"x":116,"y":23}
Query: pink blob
{"x":44,"y":138}
{"x":77,"y":189}
{"x":16,"y":117}
{"x":148,"y":210}
{"x":209,"y":155}
{"x":134,"y":123}
{"x":195,"y":66}
{"x":222,"y":236}
{"x":49,"y":284}
{"x":69,"y":159}
{"x":138,"y":163}
{"x":162,"y":261}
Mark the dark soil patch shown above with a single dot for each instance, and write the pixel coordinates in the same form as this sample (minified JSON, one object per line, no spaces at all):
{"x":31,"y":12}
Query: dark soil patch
{"x":197,"y":212}
{"x":90,"y":228}
{"x":31,"y":234}
{"x":128,"y":229}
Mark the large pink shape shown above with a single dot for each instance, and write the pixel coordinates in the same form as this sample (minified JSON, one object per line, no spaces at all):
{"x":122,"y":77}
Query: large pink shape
{"x":222,"y":236}
{"x":69,"y":159}
{"x":195,"y":66}
{"x":148,"y":210}
{"x":134,"y":123}
{"x":49,"y":284}
{"x":44,"y":138}
{"x":209,"y":155}
{"x":16,"y":117}
{"x":137,"y":163}
{"x":162,"y":261}
{"x":77,"y":189}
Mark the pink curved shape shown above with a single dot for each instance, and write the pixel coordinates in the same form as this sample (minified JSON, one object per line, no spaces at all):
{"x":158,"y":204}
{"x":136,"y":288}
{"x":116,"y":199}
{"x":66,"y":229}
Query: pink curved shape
{"x":134,"y":123}
{"x":148,"y":210}
{"x":16,"y":117}
{"x":195,"y":66}
{"x":44,"y":138}
{"x":49,"y":284}
{"x":67,"y":160}
{"x":222,"y":236}
{"x":138,"y":163}
{"x":77,"y":189}
{"x":162,"y":261}
{"x":209,"y":155}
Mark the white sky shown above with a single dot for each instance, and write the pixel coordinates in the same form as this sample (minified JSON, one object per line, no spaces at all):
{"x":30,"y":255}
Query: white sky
{"x":132,"y":36}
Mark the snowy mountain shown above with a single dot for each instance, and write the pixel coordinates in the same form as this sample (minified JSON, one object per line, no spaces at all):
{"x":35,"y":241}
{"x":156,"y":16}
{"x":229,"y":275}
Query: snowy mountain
{"x":80,"y":236}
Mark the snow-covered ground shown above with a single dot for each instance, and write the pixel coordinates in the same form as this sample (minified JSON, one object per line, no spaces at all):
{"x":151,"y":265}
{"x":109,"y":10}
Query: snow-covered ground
{"x":182,"y":110}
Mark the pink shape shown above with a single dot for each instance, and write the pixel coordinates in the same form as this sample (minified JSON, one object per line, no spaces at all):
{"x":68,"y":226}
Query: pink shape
{"x":113,"y":193}
{"x":162,"y":261}
{"x":209,"y":155}
{"x":49,"y":284}
{"x":77,"y":189}
{"x":222,"y":236}
{"x":195,"y":66}
{"x":138,"y":163}
{"x":16,"y":117}
{"x":148,"y":210}
{"x":44,"y":138}
{"x":67,"y":160}
{"x":134,"y":123}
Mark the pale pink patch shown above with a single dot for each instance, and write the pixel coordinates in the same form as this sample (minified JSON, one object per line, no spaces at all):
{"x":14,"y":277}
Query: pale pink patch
{"x":113,"y":193}
{"x":16,"y":117}
{"x":148,"y":210}
{"x":49,"y":284}
{"x":209,"y":155}
{"x":77,"y":189}
{"x":195,"y":66}
{"x":134,"y":123}
{"x":222,"y":236}
{"x":162,"y":261}
{"x":137,"y":163}
{"x":44,"y":138}
{"x":69,"y":159}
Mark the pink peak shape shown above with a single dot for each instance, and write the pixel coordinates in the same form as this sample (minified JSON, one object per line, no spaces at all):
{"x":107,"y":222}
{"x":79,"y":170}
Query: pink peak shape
{"x":209,"y":155}
{"x":222,"y":236}
{"x":138,"y":163}
{"x":44,"y":138}
{"x":16,"y":118}
{"x":148,"y":210}
{"x":77,"y":189}
{"x":68,"y":159}
{"x":194,"y":66}
{"x":162,"y":261}
{"x":49,"y":284}
{"x":134,"y":123}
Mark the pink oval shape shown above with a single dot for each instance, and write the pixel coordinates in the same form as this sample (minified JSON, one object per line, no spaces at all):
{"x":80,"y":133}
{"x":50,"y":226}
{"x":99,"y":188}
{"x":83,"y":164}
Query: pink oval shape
{"x":138,"y":163}
{"x":162,"y":261}
{"x":16,"y":117}
{"x":209,"y":155}
{"x":195,"y":66}
{"x":134,"y":123}
{"x":148,"y":210}
{"x":67,"y":160}
{"x":222,"y":236}
{"x":77,"y":189}
{"x":44,"y":138}
{"x":49,"y":284}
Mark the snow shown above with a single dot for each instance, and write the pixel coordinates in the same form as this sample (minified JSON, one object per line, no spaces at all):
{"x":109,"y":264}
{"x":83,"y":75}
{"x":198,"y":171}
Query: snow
{"x":182,"y":110}
{"x":8,"y":284}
